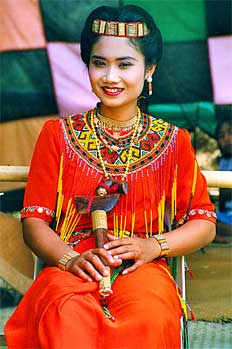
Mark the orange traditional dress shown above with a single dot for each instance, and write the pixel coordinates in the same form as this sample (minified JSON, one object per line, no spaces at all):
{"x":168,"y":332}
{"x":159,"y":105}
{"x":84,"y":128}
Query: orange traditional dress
{"x":61,"y":311}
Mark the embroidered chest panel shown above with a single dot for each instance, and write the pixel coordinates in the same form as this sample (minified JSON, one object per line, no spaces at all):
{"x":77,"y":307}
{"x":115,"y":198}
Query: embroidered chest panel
{"x":156,"y":137}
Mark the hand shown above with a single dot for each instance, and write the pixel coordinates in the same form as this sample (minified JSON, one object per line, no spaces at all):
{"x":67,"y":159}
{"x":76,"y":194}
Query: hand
{"x":140,"y":250}
{"x":89,"y":266}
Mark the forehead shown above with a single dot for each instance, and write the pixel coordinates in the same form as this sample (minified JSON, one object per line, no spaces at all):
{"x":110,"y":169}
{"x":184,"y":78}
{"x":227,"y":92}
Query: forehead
{"x":114,"y":47}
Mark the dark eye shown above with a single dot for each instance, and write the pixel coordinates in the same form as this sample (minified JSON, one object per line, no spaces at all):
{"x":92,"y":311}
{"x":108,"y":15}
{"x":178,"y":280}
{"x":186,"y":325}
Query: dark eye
{"x":125,"y":65}
{"x":98,"y":63}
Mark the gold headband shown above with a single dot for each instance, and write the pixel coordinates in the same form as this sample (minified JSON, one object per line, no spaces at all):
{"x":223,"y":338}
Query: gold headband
{"x":120,"y":29}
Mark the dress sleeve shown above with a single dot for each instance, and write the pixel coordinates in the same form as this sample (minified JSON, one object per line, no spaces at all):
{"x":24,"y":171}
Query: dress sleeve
{"x":199,"y":206}
{"x":41,"y":188}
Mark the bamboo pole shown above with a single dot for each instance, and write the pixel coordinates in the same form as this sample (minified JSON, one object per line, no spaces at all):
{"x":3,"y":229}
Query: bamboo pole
{"x":217,"y":179}
{"x":13,"y":173}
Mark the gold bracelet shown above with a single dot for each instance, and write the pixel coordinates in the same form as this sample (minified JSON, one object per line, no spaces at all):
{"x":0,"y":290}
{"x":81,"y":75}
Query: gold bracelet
{"x":162,"y":241}
{"x":66,"y":257}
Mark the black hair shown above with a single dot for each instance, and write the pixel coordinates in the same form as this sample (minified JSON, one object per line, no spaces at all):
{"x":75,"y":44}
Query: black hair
{"x":223,"y":116}
{"x":150,"y":45}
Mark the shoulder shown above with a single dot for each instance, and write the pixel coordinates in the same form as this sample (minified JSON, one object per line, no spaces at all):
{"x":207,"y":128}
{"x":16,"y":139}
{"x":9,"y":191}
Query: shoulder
{"x":75,"y":120}
{"x":49,"y":129}
{"x":158,"y":123}
{"x":180,"y":135}
{"x":76,"y":117}
{"x":184,"y":135}
{"x":51,"y":125}
{"x":163,"y":129}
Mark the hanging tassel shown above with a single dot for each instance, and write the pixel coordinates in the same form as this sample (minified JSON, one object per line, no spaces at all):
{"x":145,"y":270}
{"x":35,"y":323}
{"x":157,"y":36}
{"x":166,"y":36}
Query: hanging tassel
{"x":173,"y":199}
{"x":161,"y":209}
{"x":192,"y":276}
{"x":191,"y":312}
{"x":60,"y":196}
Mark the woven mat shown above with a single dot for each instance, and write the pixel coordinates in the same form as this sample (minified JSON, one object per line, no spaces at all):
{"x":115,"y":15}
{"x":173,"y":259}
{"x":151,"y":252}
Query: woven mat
{"x":210,"y":292}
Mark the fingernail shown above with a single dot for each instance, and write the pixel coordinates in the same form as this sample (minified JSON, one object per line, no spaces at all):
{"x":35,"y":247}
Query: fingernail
{"x":106,"y":273}
{"x":115,"y":257}
{"x":124,"y":272}
{"x":106,"y":247}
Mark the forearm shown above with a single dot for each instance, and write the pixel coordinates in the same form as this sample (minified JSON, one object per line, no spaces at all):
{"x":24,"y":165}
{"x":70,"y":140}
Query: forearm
{"x":190,"y":237}
{"x":43,"y":241}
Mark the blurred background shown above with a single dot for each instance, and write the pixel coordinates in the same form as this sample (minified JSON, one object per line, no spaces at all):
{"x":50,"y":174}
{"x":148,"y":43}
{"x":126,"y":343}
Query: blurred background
{"x":43,"y":77}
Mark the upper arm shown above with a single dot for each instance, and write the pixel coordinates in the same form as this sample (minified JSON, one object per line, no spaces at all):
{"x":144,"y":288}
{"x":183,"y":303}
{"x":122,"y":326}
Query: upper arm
{"x":41,"y":188}
{"x":192,"y":193}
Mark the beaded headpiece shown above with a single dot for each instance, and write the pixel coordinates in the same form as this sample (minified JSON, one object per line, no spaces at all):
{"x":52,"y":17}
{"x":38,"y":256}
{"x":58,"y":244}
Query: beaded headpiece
{"x":120,"y":29}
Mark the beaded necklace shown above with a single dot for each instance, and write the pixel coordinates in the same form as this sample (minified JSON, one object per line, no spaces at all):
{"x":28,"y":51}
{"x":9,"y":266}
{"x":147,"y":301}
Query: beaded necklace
{"x":124,"y":175}
{"x":116,"y":126}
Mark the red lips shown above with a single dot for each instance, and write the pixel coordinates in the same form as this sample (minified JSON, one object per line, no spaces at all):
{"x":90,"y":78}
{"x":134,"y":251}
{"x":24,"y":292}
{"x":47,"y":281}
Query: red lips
{"x":112,"y":91}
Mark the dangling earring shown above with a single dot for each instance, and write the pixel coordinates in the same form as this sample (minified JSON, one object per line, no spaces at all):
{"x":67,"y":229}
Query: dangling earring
{"x":149,"y":81}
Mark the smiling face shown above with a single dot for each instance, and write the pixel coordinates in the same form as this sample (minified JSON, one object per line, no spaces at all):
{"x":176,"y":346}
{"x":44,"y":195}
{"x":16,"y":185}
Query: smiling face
{"x":117,"y":73}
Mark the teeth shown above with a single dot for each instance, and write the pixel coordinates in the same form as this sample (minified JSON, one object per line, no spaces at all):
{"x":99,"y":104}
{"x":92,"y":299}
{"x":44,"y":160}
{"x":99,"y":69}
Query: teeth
{"x":112,"y":89}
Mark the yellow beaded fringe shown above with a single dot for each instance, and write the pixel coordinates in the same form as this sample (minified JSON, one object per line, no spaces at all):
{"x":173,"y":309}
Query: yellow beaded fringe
{"x":72,"y":217}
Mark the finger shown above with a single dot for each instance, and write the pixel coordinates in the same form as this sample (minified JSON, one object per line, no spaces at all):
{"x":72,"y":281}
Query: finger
{"x":122,"y":249}
{"x":117,"y":242}
{"x":132,"y":268}
{"x":106,"y":255}
{"x":125,"y":256}
{"x":75,"y":269}
{"x":83,"y":275}
{"x":88,"y":268}
{"x":112,"y":237}
{"x":96,"y":259}
{"x":96,"y":264}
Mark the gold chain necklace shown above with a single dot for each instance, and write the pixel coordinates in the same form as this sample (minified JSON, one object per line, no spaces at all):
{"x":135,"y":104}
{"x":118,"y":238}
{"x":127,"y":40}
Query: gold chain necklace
{"x":117,"y":126}
{"x":107,"y":175}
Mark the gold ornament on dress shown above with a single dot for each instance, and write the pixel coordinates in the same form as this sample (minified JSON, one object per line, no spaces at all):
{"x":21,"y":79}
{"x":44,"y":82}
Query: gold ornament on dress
{"x":120,"y":29}
{"x":129,"y":157}
{"x":149,"y":81}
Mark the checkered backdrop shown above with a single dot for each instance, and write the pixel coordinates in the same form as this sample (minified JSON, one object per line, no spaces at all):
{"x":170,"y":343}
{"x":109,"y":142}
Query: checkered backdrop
{"x":43,"y":75}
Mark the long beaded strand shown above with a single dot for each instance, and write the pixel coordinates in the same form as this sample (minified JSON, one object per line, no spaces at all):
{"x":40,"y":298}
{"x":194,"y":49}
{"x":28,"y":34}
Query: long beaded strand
{"x":107,"y":175}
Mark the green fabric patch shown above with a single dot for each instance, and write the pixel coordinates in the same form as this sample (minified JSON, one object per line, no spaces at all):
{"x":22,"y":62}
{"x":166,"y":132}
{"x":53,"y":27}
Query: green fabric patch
{"x":63,"y":20}
{"x":26,"y":86}
{"x":188,"y":115}
{"x":178,"y":20}
{"x":183,"y":74}
{"x":218,"y":17}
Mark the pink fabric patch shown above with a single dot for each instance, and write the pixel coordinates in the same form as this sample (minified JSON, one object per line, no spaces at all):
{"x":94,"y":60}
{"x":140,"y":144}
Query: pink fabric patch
{"x":70,"y":78}
{"x":21,"y":25}
{"x":220,"y":55}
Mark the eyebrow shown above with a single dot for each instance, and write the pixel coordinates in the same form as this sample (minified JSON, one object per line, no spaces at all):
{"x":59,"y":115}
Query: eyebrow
{"x":117,"y":59}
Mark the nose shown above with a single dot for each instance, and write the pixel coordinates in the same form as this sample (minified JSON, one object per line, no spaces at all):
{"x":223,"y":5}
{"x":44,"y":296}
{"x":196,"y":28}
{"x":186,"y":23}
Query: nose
{"x":111,"y":75}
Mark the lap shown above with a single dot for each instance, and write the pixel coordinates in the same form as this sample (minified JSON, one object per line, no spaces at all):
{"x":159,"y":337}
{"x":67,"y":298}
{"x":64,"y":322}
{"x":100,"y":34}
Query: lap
{"x":142,"y":300}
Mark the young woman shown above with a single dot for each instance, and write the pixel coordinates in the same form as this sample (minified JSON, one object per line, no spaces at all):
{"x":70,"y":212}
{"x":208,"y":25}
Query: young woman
{"x":146,"y":164}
